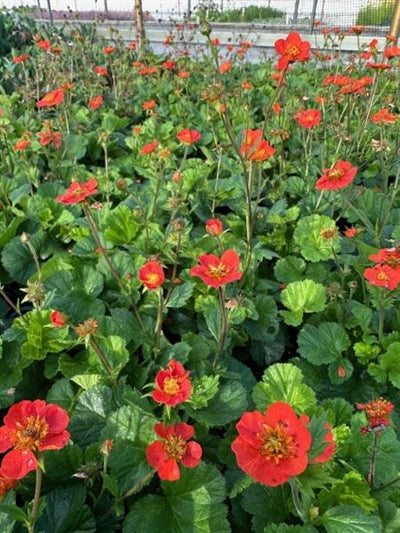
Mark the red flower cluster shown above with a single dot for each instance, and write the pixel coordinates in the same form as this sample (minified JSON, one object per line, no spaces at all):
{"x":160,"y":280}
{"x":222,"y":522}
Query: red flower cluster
{"x":78,"y":192}
{"x":152,"y":275}
{"x":21,"y":59}
{"x":383,"y":117}
{"x":387,"y":271}
{"x":292,"y":49}
{"x":254,"y":147}
{"x":52,"y":98}
{"x":377,"y":412}
{"x":48,"y":136}
{"x":29,"y":428}
{"x":187,"y":136}
{"x":149,"y":148}
{"x":172,"y":385}
{"x":101,"y":71}
{"x":215,"y":271}
{"x":164,"y":455}
{"x":337,"y":177}
{"x":149,"y":105}
{"x":273,"y":447}
{"x":22,"y":144}
{"x":348,"y":84}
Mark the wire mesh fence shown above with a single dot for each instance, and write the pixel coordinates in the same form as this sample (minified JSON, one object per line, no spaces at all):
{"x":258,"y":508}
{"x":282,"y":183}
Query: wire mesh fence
{"x":287,"y":13}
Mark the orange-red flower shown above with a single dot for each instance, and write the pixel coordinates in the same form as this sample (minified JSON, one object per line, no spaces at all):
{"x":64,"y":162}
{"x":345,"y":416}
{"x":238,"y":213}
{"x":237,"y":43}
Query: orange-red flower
{"x":108,"y":50}
{"x":48,"y":136}
{"x":377,"y":412}
{"x":337,"y":177}
{"x":387,"y":256}
{"x":44,"y":44}
{"x":149,"y":148}
{"x":96,"y":102}
{"x":149,"y":105}
{"x":169,"y":65}
{"x":272,"y":447}
{"x":214,"y":226}
{"x":172,"y":385}
{"x":292,"y":49}
{"x":383,"y":117}
{"x":52,"y":98}
{"x":101,"y":71}
{"x":6,"y":484}
{"x":22,"y":144}
{"x":308,"y":118}
{"x":29,"y":428}
{"x":58,"y":319}
{"x":215,"y":271}
{"x":383,"y":276}
{"x":78,"y":192}
{"x":21,"y":59}
{"x":152,"y":275}
{"x":164,"y":455}
{"x":391,"y":51}
{"x":254,"y":148}
{"x":225,"y":67}
{"x":188,"y":136}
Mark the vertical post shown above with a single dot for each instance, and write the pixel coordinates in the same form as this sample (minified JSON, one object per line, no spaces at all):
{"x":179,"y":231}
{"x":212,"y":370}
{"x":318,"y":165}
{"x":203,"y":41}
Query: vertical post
{"x":50,"y":12}
{"x":313,"y":15}
{"x":106,"y":8}
{"x":189,"y":9}
{"x":296,"y":11}
{"x":395,"y":23}
{"x":140,"y":33}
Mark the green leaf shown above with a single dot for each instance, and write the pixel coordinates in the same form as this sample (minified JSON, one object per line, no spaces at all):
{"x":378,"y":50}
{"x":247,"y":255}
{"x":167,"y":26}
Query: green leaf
{"x":18,"y":260}
{"x":121,"y":226}
{"x":289,"y":269}
{"x":66,"y":507}
{"x":8,"y":231}
{"x":389,"y":363}
{"x":282,"y":382}
{"x":61,"y":393}
{"x":266,"y":505}
{"x":204,"y":389}
{"x":349,"y":519}
{"x":266,"y":326}
{"x":309,"y":236}
{"x":193,"y":503}
{"x":7,"y":521}
{"x":75,"y":145}
{"x":353,"y":489}
{"x":284,"y":528}
{"x":300,"y":297}
{"x":180,"y":295}
{"x":243,"y":483}
{"x":130,"y":423}
{"x":322,"y":344}
{"x":227,"y":405}
{"x":42,"y":337}
{"x":114,"y":350}
{"x":212,"y":315}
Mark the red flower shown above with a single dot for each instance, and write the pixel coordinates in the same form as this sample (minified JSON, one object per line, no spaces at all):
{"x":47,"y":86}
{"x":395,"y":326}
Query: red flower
{"x":216,"y":272}
{"x":22,"y":144}
{"x":272,"y":447}
{"x":31,"y":427}
{"x":391,"y":51}
{"x":214,"y":226}
{"x":308,"y":118}
{"x":377,"y":411}
{"x":48,"y":136}
{"x":330,"y":449}
{"x":164,"y":455}
{"x":96,"y":102}
{"x":149,"y":148}
{"x":147,"y":70}
{"x":337,"y":177}
{"x":172,"y":385}
{"x":383,"y":117}
{"x":6,"y":484}
{"x":254,"y":148}
{"x":292,"y":49}
{"x":351,"y":232}
{"x":52,"y":98}
{"x":21,"y":59}
{"x":383,"y":276}
{"x":108,"y":49}
{"x":225,"y":67}
{"x":247,"y":86}
{"x":152,"y":275}
{"x":387,"y":256}
{"x":188,"y":136}
{"x":149,"y":105}
{"x":78,"y":192}
{"x":44,"y":44}
{"x":101,"y":71}
{"x":169,"y":65}
{"x":58,"y":319}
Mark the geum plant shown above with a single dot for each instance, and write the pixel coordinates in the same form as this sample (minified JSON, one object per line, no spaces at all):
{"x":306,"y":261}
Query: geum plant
{"x":199,"y":278}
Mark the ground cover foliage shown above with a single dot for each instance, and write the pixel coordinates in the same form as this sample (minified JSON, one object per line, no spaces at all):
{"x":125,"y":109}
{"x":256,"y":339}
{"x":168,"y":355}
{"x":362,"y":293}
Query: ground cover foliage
{"x":199,"y":279}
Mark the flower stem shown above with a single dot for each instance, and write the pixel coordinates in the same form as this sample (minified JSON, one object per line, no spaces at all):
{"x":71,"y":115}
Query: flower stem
{"x":297,"y":501}
{"x":36,"y":500}
{"x":103,"y":360}
{"x":372,"y":461}
{"x":223,"y":332}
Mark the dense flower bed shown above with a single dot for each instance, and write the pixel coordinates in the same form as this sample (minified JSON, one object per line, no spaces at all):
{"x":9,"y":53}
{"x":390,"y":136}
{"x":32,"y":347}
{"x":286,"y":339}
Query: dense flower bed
{"x":199,"y":279}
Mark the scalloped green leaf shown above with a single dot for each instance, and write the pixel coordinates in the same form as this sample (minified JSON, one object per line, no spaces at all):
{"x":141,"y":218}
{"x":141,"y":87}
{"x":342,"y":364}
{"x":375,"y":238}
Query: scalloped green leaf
{"x":305,"y":296}
{"x":314,"y":243}
{"x":193,"y":503}
{"x":282,"y":382}
{"x":121,"y":226}
{"x":322,"y":344}
{"x":289,"y":269}
{"x":350,"y":519}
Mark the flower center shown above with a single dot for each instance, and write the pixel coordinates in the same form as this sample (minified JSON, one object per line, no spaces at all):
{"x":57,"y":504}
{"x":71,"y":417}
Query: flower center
{"x":382,"y":276}
{"x":277,"y":444}
{"x":153,"y":278}
{"x":78,"y":192}
{"x":28,"y":436}
{"x":218,"y":272}
{"x":171,"y":386}
{"x":175,"y":447}
{"x":334,"y":174}
{"x":292,"y":51}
